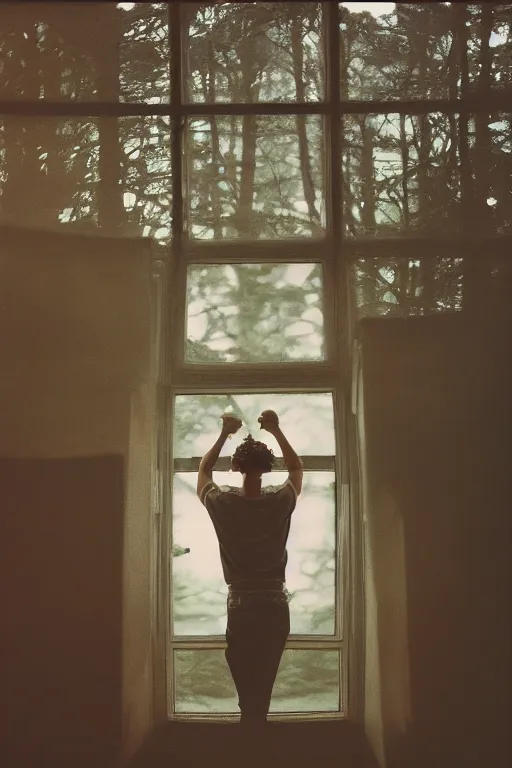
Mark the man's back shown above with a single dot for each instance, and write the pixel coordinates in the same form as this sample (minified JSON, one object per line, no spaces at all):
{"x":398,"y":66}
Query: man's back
{"x":252,"y":531}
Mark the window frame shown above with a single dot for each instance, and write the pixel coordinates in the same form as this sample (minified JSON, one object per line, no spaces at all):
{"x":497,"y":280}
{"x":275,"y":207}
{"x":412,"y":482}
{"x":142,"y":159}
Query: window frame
{"x":193,"y":378}
{"x":337,"y":641}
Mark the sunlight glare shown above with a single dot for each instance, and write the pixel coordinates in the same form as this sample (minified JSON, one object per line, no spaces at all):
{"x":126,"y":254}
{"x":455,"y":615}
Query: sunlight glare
{"x":497,"y":38}
{"x":129,"y":200}
{"x":376,"y":9}
{"x":297,"y":273}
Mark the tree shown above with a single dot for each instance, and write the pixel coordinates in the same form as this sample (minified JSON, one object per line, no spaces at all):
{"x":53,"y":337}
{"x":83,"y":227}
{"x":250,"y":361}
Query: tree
{"x":250,"y":177}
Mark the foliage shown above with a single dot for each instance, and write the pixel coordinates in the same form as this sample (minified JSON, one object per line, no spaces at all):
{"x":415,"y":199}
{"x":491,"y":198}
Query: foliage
{"x":306,"y":681}
{"x":263,"y":178}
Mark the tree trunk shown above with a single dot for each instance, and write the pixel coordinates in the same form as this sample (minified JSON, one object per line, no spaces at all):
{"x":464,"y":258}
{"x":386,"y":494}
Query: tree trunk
{"x":452,"y":171}
{"x":477,"y":272}
{"x":461,"y":38}
{"x":216,"y":157}
{"x":404,"y":152}
{"x":305,"y":166}
{"x":111,"y":213}
{"x":348,"y":198}
{"x":425,"y":223}
{"x":345,"y":55}
{"x":483,"y":155}
{"x":245,"y":216}
{"x":246,"y":225}
{"x":367,"y":177}
{"x":424,"y":142}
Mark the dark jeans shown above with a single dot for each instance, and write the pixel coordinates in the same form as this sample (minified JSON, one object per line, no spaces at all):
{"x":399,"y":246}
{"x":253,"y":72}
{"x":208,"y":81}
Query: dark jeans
{"x":257,"y":629}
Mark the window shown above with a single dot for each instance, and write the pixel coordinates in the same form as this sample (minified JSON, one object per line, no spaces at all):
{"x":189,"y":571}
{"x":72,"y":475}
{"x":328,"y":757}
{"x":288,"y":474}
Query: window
{"x":199,"y":593}
{"x":291,"y":160}
{"x":81,"y":174}
{"x":255,"y":313}
{"x":272,"y":187}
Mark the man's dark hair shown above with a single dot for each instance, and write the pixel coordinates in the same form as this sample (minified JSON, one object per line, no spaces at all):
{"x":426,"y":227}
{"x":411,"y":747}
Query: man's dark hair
{"x":252,"y":454}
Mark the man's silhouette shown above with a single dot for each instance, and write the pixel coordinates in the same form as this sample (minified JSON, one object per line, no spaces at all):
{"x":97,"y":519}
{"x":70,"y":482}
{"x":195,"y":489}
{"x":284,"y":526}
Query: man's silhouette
{"x":252,"y":526}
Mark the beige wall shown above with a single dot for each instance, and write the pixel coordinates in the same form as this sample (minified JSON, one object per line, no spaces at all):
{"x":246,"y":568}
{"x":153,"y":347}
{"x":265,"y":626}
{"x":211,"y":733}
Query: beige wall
{"x":76,"y":398}
{"x":437,"y":425}
{"x":60,"y":559}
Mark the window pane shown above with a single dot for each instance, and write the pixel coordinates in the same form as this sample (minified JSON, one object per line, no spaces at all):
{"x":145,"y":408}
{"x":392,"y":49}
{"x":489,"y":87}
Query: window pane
{"x":307,"y":681}
{"x":255,"y":313}
{"x":421,"y":285}
{"x":87,"y":173}
{"x":390,"y":286}
{"x":101,"y":51}
{"x":490,"y":160}
{"x":489,"y":48}
{"x":408,"y":50}
{"x":256,"y":177}
{"x":395,"y":50}
{"x":250,"y":52}
{"x":307,"y":420}
{"x":199,"y":590}
{"x":401,"y":175}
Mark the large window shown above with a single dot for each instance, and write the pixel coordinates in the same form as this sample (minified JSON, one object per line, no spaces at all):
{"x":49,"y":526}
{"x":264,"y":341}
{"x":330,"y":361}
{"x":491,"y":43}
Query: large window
{"x":293,"y":162}
{"x":310,"y":677}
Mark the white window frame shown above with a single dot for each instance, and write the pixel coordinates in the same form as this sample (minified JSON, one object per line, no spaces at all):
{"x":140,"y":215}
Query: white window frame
{"x":310,"y":642}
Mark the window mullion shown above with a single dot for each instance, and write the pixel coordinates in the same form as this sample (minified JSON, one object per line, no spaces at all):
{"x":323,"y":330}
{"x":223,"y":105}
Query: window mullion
{"x":498,"y":101}
{"x":218,"y":642}
{"x":230,"y":377}
{"x":310,"y":464}
{"x":258,"y":252}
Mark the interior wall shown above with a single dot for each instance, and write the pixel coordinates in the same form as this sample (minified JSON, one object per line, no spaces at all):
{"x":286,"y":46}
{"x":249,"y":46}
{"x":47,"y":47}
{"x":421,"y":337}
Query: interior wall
{"x":437,"y":425}
{"x":76,"y":401}
{"x":60,"y":560}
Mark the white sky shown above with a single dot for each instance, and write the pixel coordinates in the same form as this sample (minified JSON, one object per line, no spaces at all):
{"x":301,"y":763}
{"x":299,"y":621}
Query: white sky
{"x":312,"y":529}
{"x":376,"y":9}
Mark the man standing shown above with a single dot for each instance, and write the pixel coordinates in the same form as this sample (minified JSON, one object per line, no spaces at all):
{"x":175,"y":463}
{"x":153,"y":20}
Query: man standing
{"x":252,"y":526}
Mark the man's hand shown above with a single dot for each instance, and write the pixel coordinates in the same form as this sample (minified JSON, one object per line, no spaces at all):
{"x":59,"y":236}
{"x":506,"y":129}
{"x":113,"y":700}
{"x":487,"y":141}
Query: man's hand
{"x":230,"y":424}
{"x":269,"y":421}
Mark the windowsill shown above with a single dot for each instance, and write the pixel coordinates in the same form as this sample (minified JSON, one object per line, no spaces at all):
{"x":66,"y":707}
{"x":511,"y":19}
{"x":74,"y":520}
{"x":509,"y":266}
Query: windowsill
{"x":273,"y":718}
